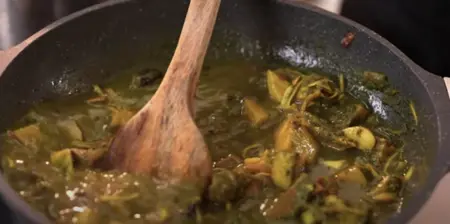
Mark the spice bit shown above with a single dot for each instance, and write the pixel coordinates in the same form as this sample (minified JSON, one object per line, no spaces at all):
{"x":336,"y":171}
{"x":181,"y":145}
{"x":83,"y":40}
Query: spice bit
{"x":348,"y":39}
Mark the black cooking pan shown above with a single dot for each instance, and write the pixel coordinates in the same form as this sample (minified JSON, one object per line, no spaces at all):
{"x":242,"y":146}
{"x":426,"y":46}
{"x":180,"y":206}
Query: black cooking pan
{"x":92,"y":45}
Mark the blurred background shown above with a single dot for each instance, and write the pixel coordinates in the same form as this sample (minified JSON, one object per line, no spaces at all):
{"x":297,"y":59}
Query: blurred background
{"x":21,"y":18}
{"x":419,"y":28}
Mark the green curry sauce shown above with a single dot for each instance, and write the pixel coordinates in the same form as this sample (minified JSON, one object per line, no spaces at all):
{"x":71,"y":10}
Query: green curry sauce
{"x":288,"y":147}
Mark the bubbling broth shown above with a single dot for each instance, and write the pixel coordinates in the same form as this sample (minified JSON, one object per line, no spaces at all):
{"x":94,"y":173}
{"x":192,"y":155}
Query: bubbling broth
{"x":288,"y":145}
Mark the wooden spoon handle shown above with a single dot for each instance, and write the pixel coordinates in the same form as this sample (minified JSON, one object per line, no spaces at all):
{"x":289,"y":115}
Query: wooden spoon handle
{"x":183,"y":73}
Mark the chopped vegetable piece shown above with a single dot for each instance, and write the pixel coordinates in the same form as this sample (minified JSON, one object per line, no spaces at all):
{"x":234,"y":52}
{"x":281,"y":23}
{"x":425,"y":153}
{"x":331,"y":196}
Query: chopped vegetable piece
{"x":362,"y":136}
{"x":282,"y":168}
{"x":29,"y":136}
{"x":383,"y":149}
{"x":276,"y":85}
{"x":284,"y":135}
{"x":289,"y":95}
{"x":341,"y":83}
{"x":322,"y":130}
{"x":89,"y":145}
{"x":97,"y":99}
{"x":308,"y":217}
{"x":258,"y":185}
{"x":290,"y":201}
{"x":252,"y":160}
{"x":256,"y":114}
{"x":101,"y":95}
{"x":256,"y":165}
{"x":286,"y":100}
{"x":253,"y":150}
{"x":384,"y":197}
{"x":87,"y":157}
{"x":352,"y":174}
{"x":297,"y":80}
{"x":395,"y":164}
{"x":7,"y":162}
{"x":314,"y":86}
{"x":409,"y":173}
{"x":335,"y":204}
{"x":350,"y":218}
{"x":306,"y":146}
{"x":146,"y":78}
{"x":375,"y":80}
{"x":229,"y":162}
{"x":87,"y":216}
{"x":120,"y":117}
{"x":98,"y":90}
{"x":289,"y":73}
{"x":92,"y":127}
{"x":313,"y":214}
{"x":413,"y":112}
{"x":335,"y":164}
{"x":387,"y":184}
{"x":117,"y":100}
{"x":63,"y":160}
{"x":68,"y":159}
{"x":71,"y":128}
{"x":326,"y":186}
{"x":369,"y":167}
{"x":359,"y":115}
{"x":118,"y":198}
{"x":223,"y":186}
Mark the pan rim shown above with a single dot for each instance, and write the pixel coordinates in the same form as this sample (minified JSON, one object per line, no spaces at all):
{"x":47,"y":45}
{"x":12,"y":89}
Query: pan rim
{"x":441,"y":104}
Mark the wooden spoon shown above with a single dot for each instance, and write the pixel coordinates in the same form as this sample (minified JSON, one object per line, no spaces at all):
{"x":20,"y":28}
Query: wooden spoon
{"x":162,"y":139}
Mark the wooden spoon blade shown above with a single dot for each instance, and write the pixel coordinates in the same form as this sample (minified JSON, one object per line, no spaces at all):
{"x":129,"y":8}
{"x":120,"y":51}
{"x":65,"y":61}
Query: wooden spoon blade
{"x":163,"y":146}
